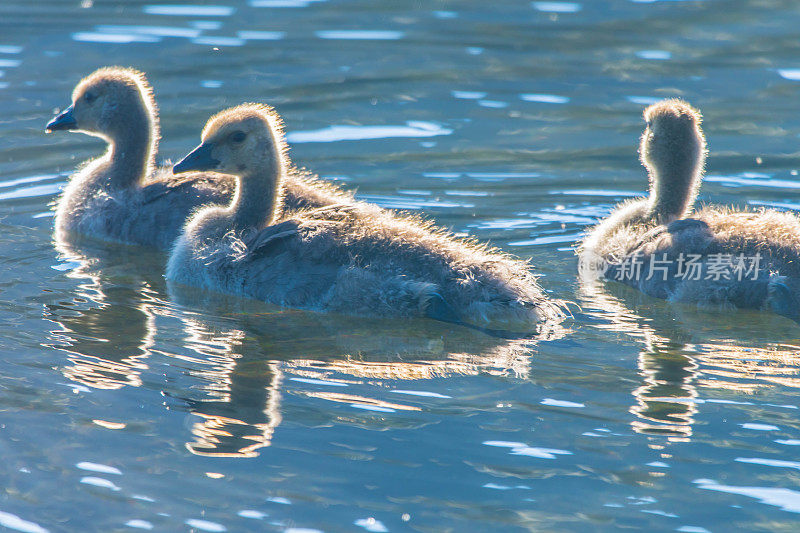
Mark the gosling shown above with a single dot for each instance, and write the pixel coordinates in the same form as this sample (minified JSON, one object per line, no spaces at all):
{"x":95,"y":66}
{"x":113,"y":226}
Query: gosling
{"x":717,"y":257}
{"x":123,"y":195}
{"x":352,"y":258}
{"x":673,"y":150}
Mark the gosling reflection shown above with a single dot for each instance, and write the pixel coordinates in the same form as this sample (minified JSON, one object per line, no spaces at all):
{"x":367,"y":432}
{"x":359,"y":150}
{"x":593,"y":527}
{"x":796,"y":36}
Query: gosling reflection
{"x":244,"y":419}
{"x":240,"y":407}
{"x":686,"y":349}
{"x":374,"y":348}
{"x":242,"y":348}
{"x":107,"y":326}
{"x":665,"y":403}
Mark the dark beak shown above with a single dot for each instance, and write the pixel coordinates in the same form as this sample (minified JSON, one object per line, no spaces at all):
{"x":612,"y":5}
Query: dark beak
{"x":64,"y":121}
{"x":198,"y":159}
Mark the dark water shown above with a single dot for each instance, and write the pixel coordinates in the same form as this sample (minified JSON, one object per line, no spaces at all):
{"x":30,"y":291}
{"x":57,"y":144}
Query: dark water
{"x":125,"y":406}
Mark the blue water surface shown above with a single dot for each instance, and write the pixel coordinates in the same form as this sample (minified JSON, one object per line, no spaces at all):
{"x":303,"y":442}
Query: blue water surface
{"x":126,"y":406}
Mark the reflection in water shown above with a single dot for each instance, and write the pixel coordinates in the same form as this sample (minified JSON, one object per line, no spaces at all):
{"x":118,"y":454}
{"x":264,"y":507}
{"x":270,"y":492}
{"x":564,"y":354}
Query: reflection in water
{"x":748,"y":369}
{"x":108,"y":332}
{"x":737,"y":357}
{"x":666,"y":400}
{"x":237,"y":351}
{"x":244,"y":421}
{"x":555,"y":158}
{"x":241,"y":407}
{"x":361,"y":402}
{"x":107,"y":329}
{"x":317,"y":349}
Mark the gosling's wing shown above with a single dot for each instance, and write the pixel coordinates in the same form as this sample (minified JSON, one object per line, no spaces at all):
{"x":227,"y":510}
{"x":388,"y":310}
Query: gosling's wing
{"x":294,"y":231}
{"x":291,"y":263}
{"x":273,"y":239}
{"x":654,"y":238}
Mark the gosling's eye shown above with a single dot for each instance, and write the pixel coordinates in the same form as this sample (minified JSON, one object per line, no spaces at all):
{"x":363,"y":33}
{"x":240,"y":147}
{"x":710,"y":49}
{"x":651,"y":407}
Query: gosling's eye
{"x":90,"y":97}
{"x":648,"y":124}
{"x":238,"y":136}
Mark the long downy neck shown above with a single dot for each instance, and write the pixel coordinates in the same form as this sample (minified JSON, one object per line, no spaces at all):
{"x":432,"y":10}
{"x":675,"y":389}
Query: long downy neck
{"x":131,"y":155}
{"x":259,"y":197}
{"x":674,"y":186}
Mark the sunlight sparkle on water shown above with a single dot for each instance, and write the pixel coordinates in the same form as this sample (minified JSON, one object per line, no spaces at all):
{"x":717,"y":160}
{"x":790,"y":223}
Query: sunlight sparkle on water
{"x":99,"y":482}
{"x":557,"y":7}
{"x":158,"y":31}
{"x":371,"y":524}
{"x":205,"y":525}
{"x":120,"y":38}
{"x":139,"y":524}
{"x":361,"y":35}
{"x":360,"y":133}
{"x":658,"y":55}
{"x":16,"y":523}
{"x":786,"y":499}
{"x":545,"y":98}
{"x":468,"y":95}
{"x":95,"y":467}
{"x":189,"y":10}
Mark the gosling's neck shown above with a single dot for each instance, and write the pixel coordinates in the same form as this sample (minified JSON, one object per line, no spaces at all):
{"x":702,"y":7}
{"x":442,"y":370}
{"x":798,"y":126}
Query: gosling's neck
{"x":131,"y":154}
{"x":674,"y":185}
{"x":259,"y":197}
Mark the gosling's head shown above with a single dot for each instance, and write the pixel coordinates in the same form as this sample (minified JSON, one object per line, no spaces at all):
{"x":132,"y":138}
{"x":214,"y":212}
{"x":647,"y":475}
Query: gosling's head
{"x":673,"y":149}
{"x":109,"y":102}
{"x":243,"y":140}
{"x":673,"y":137}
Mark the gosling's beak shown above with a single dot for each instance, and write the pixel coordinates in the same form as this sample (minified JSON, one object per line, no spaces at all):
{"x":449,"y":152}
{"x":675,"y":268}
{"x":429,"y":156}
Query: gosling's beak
{"x":64,"y":121}
{"x":198,"y":159}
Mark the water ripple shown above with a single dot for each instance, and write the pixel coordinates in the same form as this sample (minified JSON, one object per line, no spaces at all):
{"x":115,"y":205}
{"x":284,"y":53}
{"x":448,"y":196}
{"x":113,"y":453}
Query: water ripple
{"x":557,"y":7}
{"x":218,"y":40}
{"x":100,"y":482}
{"x":205,"y":525}
{"x":32,"y":192}
{"x":119,"y":38}
{"x":519,"y":448}
{"x":16,"y":523}
{"x":371,"y":524}
{"x":189,"y":10}
{"x":95,"y":467}
{"x":156,"y":31}
{"x":545,"y":98}
{"x":261,"y":35}
{"x":656,"y":55}
{"x":643,"y":100}
{"x":360,"y":35}
{"x":786,"y":499}
{"x":396,"y":202}
{"x":790,"y":73}
{"x":139,"y":524}
{"x":361,"y":133}
{"x":468,"y":95}
{"x":752,"y":179}
{"x":283,"y":3}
